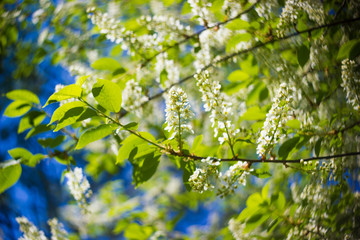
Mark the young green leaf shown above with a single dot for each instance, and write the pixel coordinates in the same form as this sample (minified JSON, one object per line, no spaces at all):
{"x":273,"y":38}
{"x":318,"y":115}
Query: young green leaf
{"x":108,"y":95}
{"x":294,"y":123}
{"x":303,"y":54}
{"x":145,"y":168}
{"x":63,"y":109}
{"x":95,"y":133}
{"x":106,"y":63}
{"x":129,"y":144}
{"x":70,"y":91}
{"x":9,"y":176}
{"x":17,"y":108}
{"x":238,"y":76}
{"x":287,"y":146}
{"x":30,"y":120}
{"x":39,"y":129}
{"x":51,"y":142}
{"x":23,"y":95}
{"x":260,"y":173}
{"x":196,"y":143}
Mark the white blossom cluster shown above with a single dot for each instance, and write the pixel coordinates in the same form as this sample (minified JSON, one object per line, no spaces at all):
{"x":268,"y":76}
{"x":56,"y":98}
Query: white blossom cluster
{"x":199,"y":180}
{"x":312,"y":199}
{"x":57,"y":230}
{"x":275,"y":119}
{"x":164,"y":64}
{"x":166,"y":26}
{"x":113,"y":29}
{"x":234,"y":176}
{"x":79,"y":187}
{"x":237,"y":229}
{"x":218,"y":105}
{"x":351,"y":83}
{"x":231,"y":8}
{"x":201,"y":9}
{"x":115,"y":32}
{"x":289,"y":15}
{"x":132,"y":98}
{"x":178,"y":112}
{"x":209,"y":38}
{"x":29,"y":230}
{"x":264,"y":8}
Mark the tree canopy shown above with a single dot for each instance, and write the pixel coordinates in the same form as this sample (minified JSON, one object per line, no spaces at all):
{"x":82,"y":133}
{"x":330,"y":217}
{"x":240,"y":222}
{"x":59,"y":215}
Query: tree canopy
{"x":184,"y":119}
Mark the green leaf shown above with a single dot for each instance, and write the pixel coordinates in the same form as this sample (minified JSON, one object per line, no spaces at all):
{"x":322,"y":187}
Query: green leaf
{"x":303,"y":54}
{"x":63,"y":109}
{"x":254,"y":113}
{"x":30,"y":120}
{"x":74,"y":115}
{"x":106,"y":64}
{"x":95,"y":133}
{"x":129,"y":144}
{"x":318,"y":146}
{"x":39,"y":129}
{"x":9,"y":176}
{"x":294,"y":123}
{"x":70,"y":113}
{"x":80,"y":81}
{"x":51,"y":142}
{"x":131,"y":126}
{"x":70,"y":91}
{"x":34,"y":160}
{"x":261,"y":173}
{"x":20,"y":153}
{"x":108,"y":95}
{"x":23,"y":95}
{"x":197,"y":141}
{"x":17,"y":108}
{"x":255,"y":221}
{"x":163,"y":77}
{"x":279,"y":200}
{"x":145,"y":167}
{"x":136,"y":232}
{"x":238,"y":76}
{"x":350,"y":49}
{"x":237,"y":24}
{"x":265,"y":191}
{"x":287,"y":146}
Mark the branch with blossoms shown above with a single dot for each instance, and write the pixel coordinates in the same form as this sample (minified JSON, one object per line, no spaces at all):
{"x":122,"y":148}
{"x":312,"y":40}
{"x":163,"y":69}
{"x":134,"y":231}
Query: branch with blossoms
{"x":241,"y":52}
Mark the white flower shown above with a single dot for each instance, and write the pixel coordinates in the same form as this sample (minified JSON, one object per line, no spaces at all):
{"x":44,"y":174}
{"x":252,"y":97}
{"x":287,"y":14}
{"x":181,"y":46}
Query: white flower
{"x":30,"y":231}
{"x":218,"y":105}
{"x":201,"y":9}
{"x":132,"y":98}
{"x":173,"y":73}
{"x":275,"y":119}
{"x":289,"y":15}
{"x":57,"y":230}
{"x":178,"y":112}
{"x":351,"y":83}
{"x":79,"y":186}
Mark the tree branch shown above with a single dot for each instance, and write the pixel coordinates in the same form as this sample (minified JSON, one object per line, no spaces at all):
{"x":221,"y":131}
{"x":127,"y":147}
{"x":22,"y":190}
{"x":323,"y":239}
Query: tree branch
{"x":198,"y":33}
{"x":227,"y":57}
